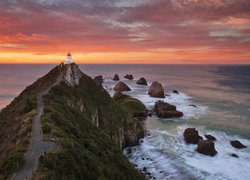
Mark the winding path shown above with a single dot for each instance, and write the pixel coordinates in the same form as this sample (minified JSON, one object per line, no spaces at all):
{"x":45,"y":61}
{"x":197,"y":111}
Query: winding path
{"x":37,"y":146}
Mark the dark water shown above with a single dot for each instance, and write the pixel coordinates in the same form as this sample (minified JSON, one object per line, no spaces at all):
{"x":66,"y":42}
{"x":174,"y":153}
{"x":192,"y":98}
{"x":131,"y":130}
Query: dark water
{"x":222,"y":96}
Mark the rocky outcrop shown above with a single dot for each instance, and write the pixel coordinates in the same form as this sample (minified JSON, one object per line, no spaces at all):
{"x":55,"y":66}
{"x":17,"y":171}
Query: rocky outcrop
{"x":206,"y":147}
{"x":165,"y":110}
{"x":98,"y":79}
{"x":210,"y":137}
{"x":237,"y":144}
{"x":129,"y":76}
{"x":142,"y":81}
{"x":175,"y":91}
{"x":121,"y":86}
{"x":156,"y":90}
{"x":116,"y":77}
{"x":191,"y":136}
{"x":234,"y":155}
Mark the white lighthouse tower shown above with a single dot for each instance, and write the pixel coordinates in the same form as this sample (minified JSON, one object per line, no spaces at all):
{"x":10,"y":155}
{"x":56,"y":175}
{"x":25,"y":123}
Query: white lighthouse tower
{"x":68,"y":59}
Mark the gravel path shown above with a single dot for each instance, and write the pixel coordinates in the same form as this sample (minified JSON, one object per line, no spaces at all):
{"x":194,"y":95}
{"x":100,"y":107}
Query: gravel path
{"x":38,"y":146}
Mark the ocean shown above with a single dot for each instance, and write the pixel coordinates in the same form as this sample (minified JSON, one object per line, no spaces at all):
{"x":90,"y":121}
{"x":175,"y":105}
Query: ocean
{"x":220,"y":92}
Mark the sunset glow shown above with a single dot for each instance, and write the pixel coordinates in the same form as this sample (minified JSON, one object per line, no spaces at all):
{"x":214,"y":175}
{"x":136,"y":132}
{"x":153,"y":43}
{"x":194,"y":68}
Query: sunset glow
{"x":125,"y":31}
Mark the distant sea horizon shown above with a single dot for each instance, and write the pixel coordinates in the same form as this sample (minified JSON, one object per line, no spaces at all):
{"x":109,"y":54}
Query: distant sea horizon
{"x":220,"y":92}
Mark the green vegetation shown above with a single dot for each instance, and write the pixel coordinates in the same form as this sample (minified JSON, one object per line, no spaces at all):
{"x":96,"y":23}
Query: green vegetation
{"x":14,"y":127}
{"x":129,"y":103}
{"x":90,"y":127}
{"x":13,"y":163}
{"x":29,"y":105}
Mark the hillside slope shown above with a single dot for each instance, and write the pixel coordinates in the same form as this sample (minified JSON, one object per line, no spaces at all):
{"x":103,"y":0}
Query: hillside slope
{"x":89,"y":128}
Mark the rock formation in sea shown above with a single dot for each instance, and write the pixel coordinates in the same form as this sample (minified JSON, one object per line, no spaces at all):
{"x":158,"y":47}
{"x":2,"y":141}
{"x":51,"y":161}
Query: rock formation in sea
{"x":121,"y":86}
{"x":165,"y":110}
{"x":142,"y":81}
{"x":98,"y":79}
{"x":206,"y":147}
{"x":156,"y":90}
{"x":129,"y":76}
{"x":83,"y":130}
{"x":191,"y":136}
{"x":237,"y":144}
{"x":116,"y":77}
{"x":210,"y":137}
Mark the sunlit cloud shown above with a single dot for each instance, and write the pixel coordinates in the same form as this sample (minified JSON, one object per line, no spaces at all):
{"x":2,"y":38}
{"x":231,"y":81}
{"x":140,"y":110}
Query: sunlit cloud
{"x":125,"y":31}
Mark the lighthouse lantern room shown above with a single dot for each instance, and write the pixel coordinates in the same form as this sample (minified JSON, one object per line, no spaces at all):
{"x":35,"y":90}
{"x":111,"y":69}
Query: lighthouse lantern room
{"x":68,"y":59}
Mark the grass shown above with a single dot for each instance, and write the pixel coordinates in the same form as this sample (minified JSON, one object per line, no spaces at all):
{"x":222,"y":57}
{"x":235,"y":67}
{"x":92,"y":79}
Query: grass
{"x":87,"y":151}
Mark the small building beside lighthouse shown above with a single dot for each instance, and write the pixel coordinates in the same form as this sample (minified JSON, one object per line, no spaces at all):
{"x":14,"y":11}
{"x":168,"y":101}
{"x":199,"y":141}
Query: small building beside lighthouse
{"x":68,"y":59}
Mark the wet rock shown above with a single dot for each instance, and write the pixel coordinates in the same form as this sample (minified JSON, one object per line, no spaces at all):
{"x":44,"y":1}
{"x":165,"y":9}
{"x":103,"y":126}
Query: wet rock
{"x":129,"y":76}
{"x":206,"y":147}
{"x":116,"y":77}
{"x":193,"y":105}
{"x":175,"y":91}
{"x":98,"y":79}
{"x":142,"y":81}
{"x":121,"y":86}
{"x":129,"y":150}
{"x":237,"y":144}
{"x":191,"y":136}
{"x":210,"y":137}
{"x":142,"y":158}
{"x":165,"y":110}
{"x":156,"y":90}
{"x":234,"y":155}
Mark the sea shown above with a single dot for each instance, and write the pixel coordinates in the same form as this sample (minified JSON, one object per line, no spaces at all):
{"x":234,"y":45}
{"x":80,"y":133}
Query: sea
{"x":221,"y":94}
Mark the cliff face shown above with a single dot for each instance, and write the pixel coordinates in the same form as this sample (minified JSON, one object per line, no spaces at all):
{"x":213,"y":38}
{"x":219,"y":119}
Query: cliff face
{"x":89,"y":128}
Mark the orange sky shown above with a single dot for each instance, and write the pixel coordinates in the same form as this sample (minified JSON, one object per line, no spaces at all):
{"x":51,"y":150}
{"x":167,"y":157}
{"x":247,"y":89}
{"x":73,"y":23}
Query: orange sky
{"x":125,"y":31}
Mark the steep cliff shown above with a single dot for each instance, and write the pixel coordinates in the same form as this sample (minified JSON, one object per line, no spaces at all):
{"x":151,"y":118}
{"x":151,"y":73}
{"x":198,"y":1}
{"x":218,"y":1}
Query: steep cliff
{"x":89,"y":128}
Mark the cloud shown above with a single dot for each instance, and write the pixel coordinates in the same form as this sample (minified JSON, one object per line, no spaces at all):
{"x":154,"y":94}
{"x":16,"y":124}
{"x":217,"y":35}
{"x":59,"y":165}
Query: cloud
{"x":43,"y":26}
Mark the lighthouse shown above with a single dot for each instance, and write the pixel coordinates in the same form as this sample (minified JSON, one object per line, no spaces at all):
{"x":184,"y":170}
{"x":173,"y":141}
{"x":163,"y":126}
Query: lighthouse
{"x":68,"y":59}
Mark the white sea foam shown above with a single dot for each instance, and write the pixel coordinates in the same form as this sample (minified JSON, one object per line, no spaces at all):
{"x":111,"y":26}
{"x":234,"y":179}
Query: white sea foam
{"x":166,"y":152}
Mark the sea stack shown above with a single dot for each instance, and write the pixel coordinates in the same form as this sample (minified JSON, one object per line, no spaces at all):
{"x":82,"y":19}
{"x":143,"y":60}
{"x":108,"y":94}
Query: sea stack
{"x":156,"y":90}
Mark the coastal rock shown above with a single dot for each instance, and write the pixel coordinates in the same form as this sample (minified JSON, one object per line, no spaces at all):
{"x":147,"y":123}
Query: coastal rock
{"x":165,"y":110}
{"x":142,"y":81}
{"x":234,"y":155}
{"x":175,"y":91}
{"x":121,"y":86}
{"x":98,"y":79}
{"x":210,"y":137}
{"x":191,"y":136}
{"x":237,"y":144}
{"x":193,"y":105}
{"x":206,"y":147}
{"x":129,"y":76}
{"x":156,"y":90}
{"x":116,"y":77}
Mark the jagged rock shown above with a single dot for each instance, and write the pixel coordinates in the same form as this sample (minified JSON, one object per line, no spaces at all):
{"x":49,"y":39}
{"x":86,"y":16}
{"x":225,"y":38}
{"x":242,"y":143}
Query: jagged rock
{"x":129,"y":76}
{"x":193,"y":105}
{"x":121,"y":86}
{"x":116,"y":77}
{"x":206,"y":147}
{"x":210,"y":137}
{"x":142,"y":81}
{"x":156,"y":90}
{"x":234,"y":155}
{"x":165,"y":110}
{"x":191,"y":136}
{"x":237,"y":144}
{"x":175,"y":91}
{"x":98,"y":79}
